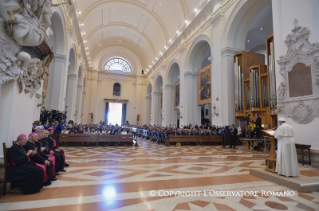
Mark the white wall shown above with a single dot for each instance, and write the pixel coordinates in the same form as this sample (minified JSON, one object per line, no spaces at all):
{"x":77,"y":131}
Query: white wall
{"x":17,"y":112}
{"x":284,"y":13}
{"x":100,"y":87}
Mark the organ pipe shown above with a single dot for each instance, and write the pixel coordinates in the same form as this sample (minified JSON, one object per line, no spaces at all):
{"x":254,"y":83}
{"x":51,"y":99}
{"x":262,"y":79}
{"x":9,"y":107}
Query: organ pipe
{"x":273,"y":100}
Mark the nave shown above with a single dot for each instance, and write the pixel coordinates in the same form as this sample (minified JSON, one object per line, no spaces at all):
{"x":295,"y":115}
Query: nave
{"x":121,"y":178}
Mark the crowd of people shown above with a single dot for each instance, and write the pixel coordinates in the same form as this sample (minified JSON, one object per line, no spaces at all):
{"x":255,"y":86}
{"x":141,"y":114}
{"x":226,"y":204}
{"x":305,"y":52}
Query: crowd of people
{"x":35,"y":161}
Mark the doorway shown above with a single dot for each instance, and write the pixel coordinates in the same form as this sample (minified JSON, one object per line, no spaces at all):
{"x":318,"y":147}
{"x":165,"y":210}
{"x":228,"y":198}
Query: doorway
{"x":115,"y":113}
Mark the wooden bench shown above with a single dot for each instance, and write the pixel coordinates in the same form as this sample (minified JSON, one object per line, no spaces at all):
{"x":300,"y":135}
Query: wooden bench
{"x":7,"y":164}
{"x":181,"y":139}
{"x":303,"y":147}
{"x":194,"y":138}
{"x":78,"y":138}
{"x":210,"y":139}
{"x":105,"y":138}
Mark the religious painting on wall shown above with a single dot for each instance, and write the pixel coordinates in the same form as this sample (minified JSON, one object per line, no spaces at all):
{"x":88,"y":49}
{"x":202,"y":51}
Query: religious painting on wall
{"x":176,"y":96}
{"x":204,"y":85}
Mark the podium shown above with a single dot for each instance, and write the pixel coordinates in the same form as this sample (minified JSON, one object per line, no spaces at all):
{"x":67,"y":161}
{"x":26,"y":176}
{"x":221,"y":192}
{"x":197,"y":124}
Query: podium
{"x":271,"y":160}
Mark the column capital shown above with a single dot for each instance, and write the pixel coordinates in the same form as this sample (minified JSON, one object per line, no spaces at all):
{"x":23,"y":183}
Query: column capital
{"x":210,"y":59}
{"x":229,"y":51}
{"x":156,"y":93}
{"x":188,"y":74}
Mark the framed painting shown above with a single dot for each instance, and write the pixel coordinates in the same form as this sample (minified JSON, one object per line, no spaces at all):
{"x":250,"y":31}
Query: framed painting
{"x":204,"y":85}
{"x":176,"y":96}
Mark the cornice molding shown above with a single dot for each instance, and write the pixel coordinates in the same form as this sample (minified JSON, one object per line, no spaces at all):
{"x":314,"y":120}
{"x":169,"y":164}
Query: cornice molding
{"x":59,"y":58}
{"x":169,"y":86}
{"x":72,"y":76}
{"x":229,"y":51}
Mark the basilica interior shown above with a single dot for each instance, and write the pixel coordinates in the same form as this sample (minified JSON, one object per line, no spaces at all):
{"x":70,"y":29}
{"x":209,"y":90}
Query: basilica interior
{"x":152,"y":70}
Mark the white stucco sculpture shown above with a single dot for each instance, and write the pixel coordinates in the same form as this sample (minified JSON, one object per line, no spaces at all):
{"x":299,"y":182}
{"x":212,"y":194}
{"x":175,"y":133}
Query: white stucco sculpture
{"x":24,"y":24}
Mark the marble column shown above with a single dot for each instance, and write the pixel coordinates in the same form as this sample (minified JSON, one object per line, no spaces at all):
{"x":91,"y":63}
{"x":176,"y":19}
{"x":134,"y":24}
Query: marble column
{"x":187,"y":109}
{"x":71,"y":96}
{"x":155,"y":108}
{"x":227,"y":106}
{"x":82,"y":110}
{"x":55,"y":87}
{"x":78,"y":106}
{"x":148,"y":109}
{"x":94,"y":97}
{"x":169,"y":105}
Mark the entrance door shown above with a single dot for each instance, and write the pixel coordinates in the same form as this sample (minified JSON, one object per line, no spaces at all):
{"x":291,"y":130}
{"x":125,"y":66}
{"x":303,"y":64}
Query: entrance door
{"x":115,"y":113}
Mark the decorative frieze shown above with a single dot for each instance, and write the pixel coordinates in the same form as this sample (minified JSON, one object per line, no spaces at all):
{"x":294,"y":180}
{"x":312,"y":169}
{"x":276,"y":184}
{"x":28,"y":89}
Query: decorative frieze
{"x":300,"y":63}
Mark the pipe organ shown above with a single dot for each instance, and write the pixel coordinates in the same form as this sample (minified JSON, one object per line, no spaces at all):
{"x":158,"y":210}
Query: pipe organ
{"x":255,"y":85}
{"x":271,"y":70}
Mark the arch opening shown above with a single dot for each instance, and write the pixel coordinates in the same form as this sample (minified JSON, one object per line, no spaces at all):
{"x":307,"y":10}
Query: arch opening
{"x":172,"y":95}
{"x":197,"y":114}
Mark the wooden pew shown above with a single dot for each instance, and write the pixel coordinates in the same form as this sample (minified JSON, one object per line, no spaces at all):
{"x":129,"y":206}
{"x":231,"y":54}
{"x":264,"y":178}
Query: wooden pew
{"x":209,"y":139}
{"x":7,"y":164}
{"x":181,"y":139}
{"x":77,"y":138}
{"x":105,"y":138}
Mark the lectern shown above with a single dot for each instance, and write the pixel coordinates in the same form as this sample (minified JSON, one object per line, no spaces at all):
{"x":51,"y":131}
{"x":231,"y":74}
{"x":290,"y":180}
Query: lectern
{"x":271,"y":160}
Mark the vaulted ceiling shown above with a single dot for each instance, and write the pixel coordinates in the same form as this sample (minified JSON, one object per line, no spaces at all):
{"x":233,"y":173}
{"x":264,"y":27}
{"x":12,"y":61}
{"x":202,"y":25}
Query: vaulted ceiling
{"x":142,"y":27}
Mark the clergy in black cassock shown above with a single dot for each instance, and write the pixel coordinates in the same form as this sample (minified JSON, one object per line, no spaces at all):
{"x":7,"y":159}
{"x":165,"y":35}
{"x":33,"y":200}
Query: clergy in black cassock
{"x":42,"y":150}
{"x":30,"y":145}
{"x":59,"y":160}
{"x":24,"y":172}
{"x":53,"y":145}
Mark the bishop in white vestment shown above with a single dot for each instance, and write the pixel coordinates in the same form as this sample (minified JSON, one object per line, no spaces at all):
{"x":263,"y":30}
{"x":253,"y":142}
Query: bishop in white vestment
{"x":287,"y":161}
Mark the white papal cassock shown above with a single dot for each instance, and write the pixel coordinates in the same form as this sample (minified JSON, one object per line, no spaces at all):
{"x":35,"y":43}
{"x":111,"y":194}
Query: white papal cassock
{"x":287,"y":161}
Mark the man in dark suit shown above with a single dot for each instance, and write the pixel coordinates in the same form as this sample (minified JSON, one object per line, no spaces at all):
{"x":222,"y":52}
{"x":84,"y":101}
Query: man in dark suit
{"x":234,"y":132}
{"x":258,"y":125}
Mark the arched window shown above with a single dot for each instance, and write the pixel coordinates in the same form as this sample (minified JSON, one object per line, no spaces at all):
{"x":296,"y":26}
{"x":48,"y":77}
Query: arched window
{"x":118,"y":64}
{"x":263,"y":52}
{"x":117,"y":89}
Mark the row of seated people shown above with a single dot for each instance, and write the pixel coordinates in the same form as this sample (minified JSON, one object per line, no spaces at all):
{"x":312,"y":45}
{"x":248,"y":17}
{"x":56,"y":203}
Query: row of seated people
{"x":205,"y":129}
{"x":35,"y":161}
{"x":108,"y":131}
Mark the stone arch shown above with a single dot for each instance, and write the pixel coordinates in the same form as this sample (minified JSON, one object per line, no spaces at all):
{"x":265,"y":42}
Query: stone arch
{"x":201,"y":39}
{"x":57,"y":39}
{"x":198,"y":55}
{"x":55,"y":89}
{"x":173,"y":75}
{"x":240,"y":21}
{"x":158,"y":83}
{"x":71,"y":86}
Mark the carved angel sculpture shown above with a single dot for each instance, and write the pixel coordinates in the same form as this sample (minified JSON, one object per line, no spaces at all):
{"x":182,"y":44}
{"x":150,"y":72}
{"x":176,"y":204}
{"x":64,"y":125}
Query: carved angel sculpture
{"x":281,"y":91}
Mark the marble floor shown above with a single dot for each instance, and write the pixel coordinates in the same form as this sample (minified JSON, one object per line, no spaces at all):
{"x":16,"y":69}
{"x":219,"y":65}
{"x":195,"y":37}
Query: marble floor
{"x":157,"y":178}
